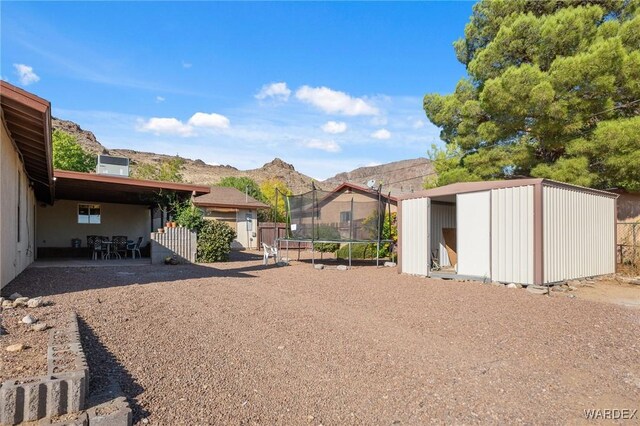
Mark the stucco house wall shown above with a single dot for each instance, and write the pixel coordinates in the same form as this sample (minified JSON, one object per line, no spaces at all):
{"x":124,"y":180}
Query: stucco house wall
{"x":237,"y":219}
{"x":58,"y":224}
{"x":17,"y":232}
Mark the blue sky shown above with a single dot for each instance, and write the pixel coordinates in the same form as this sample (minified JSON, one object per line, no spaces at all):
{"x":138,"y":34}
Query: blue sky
{"x":327,"y":87}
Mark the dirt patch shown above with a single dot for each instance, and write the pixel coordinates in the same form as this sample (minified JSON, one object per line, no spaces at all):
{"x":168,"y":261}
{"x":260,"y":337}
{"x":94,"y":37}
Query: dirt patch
{"x":242,"y":343}
{"x":31,"y":361}
{"x":610,"y":291}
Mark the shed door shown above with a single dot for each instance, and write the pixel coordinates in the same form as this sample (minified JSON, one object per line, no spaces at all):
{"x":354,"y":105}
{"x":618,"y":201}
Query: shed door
{"x":474,"y":234}
{"x":414,"y":243}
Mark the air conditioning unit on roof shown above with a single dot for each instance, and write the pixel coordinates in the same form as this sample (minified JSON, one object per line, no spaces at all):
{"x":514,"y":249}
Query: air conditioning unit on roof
{"x":113,"y":166}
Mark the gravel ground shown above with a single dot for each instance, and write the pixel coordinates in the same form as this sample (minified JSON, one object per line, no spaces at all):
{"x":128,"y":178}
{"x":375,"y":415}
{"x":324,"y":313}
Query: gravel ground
{"x":243,"y":343}
{"x":32,"y":361}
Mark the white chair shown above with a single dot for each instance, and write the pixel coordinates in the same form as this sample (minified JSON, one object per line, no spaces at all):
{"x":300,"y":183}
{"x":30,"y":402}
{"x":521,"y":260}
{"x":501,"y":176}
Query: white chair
{"x":269,"y":251}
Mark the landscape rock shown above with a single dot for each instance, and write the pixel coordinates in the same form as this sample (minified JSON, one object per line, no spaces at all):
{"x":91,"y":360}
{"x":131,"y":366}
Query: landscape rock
{"x":282,"y":263}
{"x":41,"y":326}
{"x":537,"y":289}
{"x":16,"y":348}
{"x":390,"y":264}
{"x":342,"y":267}
{"x":34,"y":303}
{"x":29,"y":319}
{"x":7,"y":304}
{"x":318,"y":266}
{"x":15,"y":296}
{"x":560,"y":288}
{"x":512,"y":285}
{"x":573,"y":283}
{"x":1,"y":300}
{"x":20,"y":301}
{"x":497,"y":284}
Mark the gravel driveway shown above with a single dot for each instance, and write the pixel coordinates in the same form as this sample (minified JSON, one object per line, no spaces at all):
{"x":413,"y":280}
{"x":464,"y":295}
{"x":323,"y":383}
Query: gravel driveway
{"x":241,"y":343}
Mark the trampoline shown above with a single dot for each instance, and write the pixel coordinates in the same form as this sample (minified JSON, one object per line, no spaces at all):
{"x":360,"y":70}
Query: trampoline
{"x":329,"y":217}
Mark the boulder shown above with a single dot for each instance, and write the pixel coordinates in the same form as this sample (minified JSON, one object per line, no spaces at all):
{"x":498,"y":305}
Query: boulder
{"x":537,"y":289}
{"x":20,"y":301}
{"x":497,"y":284}
{"x":29,"y":319}
{"x":34,"y":303}
{"x":16,"y":348}
{"x":512,"y":285}
{"x":14,"y":296}
{"x":342,"y":268}
{"x":7,"y":304}
{"x":41,"y":326}
{"x":318,"y":266}
{"x":390,"y":264}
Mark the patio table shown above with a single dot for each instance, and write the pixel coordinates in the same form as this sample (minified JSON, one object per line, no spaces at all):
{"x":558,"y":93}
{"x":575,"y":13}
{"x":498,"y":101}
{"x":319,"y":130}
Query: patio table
{"x":108,"y":255}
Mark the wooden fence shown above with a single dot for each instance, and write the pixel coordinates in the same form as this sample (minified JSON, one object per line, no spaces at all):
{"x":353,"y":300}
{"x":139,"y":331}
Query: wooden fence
{"x":269,"y":231}
{"x":180,"y":243}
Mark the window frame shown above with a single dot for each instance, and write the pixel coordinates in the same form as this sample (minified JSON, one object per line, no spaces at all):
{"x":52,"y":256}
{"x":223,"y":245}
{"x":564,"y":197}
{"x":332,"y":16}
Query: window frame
{"x":91,"y":207}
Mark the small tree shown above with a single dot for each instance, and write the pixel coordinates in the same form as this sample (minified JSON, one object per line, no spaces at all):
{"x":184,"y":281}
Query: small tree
{"x":69,"y":155}
{"x":214,"y":241}
{"x":268,"y":189}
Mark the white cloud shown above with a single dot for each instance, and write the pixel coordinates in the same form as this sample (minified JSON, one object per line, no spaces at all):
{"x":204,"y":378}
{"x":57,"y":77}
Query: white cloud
{"x":324,"y":145}
{"x":418,"y":124}
{"x":335,"y":102}
{"x":381,"y":134}
{"x":278,"y":91}
{"x":186,"y":64}
{"x":165,"y":126}
{"x":159,"y":99}
{"x":334,"y":127}
{"x":213,"y":120}
{"x":25,"y":74}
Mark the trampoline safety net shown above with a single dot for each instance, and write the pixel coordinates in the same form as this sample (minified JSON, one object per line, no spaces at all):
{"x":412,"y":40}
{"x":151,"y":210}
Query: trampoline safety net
{"x":335,"y":216}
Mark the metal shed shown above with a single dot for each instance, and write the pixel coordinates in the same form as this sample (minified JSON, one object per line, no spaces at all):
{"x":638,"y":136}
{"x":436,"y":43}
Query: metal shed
{"x":527,"y":231}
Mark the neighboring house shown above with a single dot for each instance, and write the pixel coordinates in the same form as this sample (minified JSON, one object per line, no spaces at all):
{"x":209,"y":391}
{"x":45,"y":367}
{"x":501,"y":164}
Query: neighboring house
{"x":26,"y":175}
{"x":628,"y":206}
{"x":235,"y":208}
{"x":100,"y":204}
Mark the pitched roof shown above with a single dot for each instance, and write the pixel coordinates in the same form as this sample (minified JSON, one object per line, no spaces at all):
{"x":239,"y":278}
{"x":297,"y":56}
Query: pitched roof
{"x":221,"y":196}
{"x":28,"y":120}
{"x":348,"y":185}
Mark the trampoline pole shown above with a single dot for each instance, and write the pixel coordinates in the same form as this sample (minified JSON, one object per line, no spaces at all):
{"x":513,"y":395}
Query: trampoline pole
{"x":378,"y":224}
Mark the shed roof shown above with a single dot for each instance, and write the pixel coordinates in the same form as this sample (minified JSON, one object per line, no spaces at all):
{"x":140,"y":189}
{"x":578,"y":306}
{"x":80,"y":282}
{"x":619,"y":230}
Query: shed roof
{"x":28,"y":121}
{"x":116,"y":189}
{"x":464,"y":187}
{"x":221,"y":196}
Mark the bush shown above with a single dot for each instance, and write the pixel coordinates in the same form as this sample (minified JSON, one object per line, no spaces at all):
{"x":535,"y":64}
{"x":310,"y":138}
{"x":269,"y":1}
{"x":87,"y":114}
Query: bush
{"x":214,"y":241}
{"x":358,"y":251}
{"x":325,"y":232}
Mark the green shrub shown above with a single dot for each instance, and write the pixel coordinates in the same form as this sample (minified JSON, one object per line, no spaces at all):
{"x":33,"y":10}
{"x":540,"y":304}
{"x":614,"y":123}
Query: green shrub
{"x":358,"y":251}
{"x":214,"y":241}
{"x":324,"y":232}
{"x":188,"y":215}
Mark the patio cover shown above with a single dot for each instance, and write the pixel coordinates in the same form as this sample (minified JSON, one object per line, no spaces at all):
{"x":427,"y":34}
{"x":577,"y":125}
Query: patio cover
{"x":117,"y":189}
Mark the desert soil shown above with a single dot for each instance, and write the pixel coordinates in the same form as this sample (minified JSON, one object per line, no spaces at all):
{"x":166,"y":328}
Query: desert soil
{"x":242,"y":343}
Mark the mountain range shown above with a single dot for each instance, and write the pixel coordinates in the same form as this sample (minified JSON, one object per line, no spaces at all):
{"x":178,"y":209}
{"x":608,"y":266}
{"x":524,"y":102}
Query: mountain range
{"x":396,"y":177}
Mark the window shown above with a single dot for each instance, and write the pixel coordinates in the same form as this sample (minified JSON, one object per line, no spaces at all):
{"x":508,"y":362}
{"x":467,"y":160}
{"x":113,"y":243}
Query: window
{"x":345,"y":216}
{"x":89,"y":213}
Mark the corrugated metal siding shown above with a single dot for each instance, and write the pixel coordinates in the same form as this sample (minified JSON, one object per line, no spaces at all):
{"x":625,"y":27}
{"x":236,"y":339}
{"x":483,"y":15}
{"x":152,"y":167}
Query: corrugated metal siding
{"x":414,"y":244}
{"x":474,"y":234}
{"x":442,"y":216}
{"x":579,"y":234}
{"x":512,"y":234}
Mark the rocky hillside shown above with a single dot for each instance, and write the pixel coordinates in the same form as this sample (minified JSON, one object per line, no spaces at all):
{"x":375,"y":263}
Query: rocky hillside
{"x":396,"y":177}
{"x":399,"y":176}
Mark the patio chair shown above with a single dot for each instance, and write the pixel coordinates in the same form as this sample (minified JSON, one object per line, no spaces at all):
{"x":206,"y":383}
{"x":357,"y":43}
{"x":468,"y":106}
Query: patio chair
{"x":269,"y":251}
{"x":91,"y":239}
{"x":135,"y":247}
{"x":97,"y":248}
{"x":119,"y":245}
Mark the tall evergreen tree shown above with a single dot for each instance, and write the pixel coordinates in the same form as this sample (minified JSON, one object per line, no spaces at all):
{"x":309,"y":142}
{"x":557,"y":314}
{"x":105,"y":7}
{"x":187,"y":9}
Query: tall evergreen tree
{"x":553,"y":90}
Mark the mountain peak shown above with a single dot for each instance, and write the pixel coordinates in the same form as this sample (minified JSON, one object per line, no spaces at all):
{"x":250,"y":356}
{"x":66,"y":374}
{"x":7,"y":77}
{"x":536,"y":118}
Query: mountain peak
{"x":276,"y":162}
